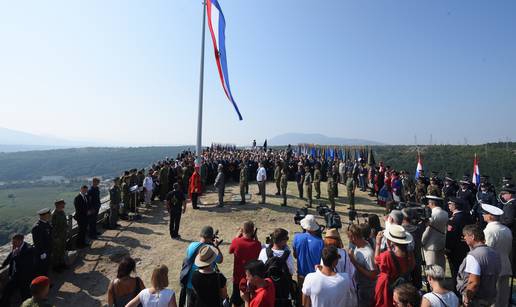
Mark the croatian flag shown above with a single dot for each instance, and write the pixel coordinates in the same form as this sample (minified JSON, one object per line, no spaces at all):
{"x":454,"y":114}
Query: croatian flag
{"x":476,"y":172}
{"x":419,"y":167}
{"x":217,"y":25}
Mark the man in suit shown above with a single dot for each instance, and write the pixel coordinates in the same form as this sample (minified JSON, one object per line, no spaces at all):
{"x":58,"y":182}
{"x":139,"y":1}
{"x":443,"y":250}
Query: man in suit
{"x":81,"y":215}
{"x":456,"y":248}
{"x":93,"y":208}
{"x":42,"y":238}
{"x":499,"y":237}
{"x":434,"y":237}
{"x":21,"y":267}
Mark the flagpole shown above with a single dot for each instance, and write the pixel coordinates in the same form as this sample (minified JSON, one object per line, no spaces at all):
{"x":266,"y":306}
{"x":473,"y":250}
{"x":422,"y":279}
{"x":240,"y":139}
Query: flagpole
{"x":201,"y":88}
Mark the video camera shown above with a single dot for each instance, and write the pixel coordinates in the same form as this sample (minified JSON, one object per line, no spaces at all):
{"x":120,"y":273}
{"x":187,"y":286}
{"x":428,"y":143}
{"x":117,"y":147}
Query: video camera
{"x":216,"y":241}
{"x":417,"y":213}
{"x":331,"y":217}
{"x":353,"y":215}
{"x":300,"y":214}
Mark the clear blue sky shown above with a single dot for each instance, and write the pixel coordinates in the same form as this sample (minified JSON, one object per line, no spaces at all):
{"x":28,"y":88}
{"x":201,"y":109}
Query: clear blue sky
{"x":127,"y":72}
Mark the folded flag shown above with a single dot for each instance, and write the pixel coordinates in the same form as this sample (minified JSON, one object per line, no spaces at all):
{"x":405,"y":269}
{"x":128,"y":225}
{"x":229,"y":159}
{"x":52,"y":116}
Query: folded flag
{"x":217,"y":25}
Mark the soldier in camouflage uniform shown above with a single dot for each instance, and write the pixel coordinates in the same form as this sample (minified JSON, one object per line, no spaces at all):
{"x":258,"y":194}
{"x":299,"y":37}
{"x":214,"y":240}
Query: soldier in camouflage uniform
{"x":420,"y":189}
{"x":335,"y":174}
{"x":244,"y":178}
{"x":115,"y":198}
{"x":277,"y":177}
{"x":59,"y":236}
{"x":126,"y":195}
{"x":163,"y":182}
{"x":434,"y":189}
{"x":350,"y":187}
{"x":284,"y":183}
{"x":331,"y":190}
{"x":317,"y":181}
{"x":408,"y":187}
{"x":308,"y":185}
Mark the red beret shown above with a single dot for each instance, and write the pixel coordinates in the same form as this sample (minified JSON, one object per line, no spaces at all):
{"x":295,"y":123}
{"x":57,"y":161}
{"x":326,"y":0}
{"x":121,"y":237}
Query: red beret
{"x":40,"y":281}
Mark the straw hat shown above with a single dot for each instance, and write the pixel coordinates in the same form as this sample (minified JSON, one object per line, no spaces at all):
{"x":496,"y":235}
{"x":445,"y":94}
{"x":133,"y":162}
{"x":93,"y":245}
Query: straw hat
{"x":206,"y":256}
{"x":397,"y":234}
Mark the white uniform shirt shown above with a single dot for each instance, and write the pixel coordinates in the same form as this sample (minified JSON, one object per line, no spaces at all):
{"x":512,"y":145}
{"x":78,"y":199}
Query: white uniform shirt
{"x":261,"y":175}
{"x":499,"y":237}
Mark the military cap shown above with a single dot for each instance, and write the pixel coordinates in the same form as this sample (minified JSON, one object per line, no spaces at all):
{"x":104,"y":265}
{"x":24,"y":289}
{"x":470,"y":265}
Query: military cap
{"x":44,"y":211}
{"x":40,"y":281}
{"x":59,"y":202}
{"x":431,"y":197}
{"x":508,"y":189}
{"x":465,"y":181}
{"x":457,"y":201}
{"x":448,"y":178}
{"x":507,"y":178}
{"x":493,"y":210}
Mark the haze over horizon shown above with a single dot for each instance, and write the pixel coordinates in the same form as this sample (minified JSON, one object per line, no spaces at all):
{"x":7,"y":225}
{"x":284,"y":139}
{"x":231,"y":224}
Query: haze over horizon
{"x":363,"y":70}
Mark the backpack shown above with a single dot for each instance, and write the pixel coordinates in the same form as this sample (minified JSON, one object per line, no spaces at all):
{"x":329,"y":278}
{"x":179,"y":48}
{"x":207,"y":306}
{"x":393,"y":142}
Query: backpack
{"x":333,"y":220}
{"x":401,"y":278}
{"x":277,"y":270}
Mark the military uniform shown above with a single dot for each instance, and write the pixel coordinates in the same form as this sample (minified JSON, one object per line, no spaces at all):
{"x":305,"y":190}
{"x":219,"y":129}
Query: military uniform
{"x":126,"y":195}
{"x":163,"y":182}
{"x":317,"y":182}
{"x":115,"y":198}
{"x":308,"y":187}
{"x":42,"y":238}
{"x":34,"y":302}
{"x":244,"y":178}
{"x":277,"y":178}
{"x":420,"y":190}
{"x":59,"y":236}
{"x":350,"y":187}
{"x":331,"y":191}
{"x":284,"y":183}
{"x":434,"y":190}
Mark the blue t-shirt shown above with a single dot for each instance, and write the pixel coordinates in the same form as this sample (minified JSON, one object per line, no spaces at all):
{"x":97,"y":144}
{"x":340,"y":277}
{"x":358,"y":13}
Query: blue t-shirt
{"x":308,"y":249}
{"x":189,"y":253}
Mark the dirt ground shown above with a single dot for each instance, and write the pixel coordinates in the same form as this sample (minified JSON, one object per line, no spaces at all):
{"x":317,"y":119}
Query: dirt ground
{"x":149,"y":243}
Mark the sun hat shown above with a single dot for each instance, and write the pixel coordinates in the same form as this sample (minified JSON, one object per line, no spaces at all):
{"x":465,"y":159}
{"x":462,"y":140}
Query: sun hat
{"x":206,"y":256}
{"x":309,"y":223}
{"x":332,"y":233}
{"x":397,"y":234}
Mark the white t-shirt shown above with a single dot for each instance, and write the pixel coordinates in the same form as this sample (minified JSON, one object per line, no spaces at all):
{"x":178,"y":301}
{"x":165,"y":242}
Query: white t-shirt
{"x":336,"y":290}
{"x":450,"y":299}
{"x":278,"y":253}
{"x":147,"y":183}
{"x":158,"y":299}
{"x":365,"y":258}
{"x":472,"y":266}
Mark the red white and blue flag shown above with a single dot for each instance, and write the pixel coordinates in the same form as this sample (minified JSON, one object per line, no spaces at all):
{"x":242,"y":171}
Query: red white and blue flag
{"x":217,"y":24}
{"x":419,"y":167}
{"x":476,"y":172}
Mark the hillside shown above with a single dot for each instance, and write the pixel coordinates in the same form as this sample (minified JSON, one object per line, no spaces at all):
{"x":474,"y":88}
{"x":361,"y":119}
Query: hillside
{"x":79,"y":162}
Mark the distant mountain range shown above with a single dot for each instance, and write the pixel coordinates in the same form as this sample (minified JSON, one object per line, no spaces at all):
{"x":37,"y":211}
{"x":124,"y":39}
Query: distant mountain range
{"x":316,"y":138}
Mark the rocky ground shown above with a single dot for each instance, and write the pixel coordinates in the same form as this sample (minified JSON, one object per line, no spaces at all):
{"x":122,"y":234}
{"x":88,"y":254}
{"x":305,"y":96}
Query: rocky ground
{"x":148,"y":240}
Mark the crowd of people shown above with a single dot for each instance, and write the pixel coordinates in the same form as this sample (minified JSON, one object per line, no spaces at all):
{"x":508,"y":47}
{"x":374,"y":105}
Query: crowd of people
{"x":428,"y":222}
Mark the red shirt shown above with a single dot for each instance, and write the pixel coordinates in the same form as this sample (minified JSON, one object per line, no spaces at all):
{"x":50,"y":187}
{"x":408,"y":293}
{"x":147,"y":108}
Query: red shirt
{"x":264,"y":297}
{"x":388,"y":273}
{"x":244,"y":250}
{"x":194,"y":185}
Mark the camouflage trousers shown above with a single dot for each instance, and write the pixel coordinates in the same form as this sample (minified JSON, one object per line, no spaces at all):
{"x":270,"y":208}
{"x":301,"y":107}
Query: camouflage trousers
{"x":58,"y":251}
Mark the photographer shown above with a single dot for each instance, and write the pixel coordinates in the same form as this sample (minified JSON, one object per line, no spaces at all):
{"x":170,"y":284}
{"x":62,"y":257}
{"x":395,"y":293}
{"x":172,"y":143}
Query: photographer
{"x":245,"y":247}
{"x":307,"y":248}
{"x":279,"y":239}
{"x":207,"y":237}
{"x":434,"y":237}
